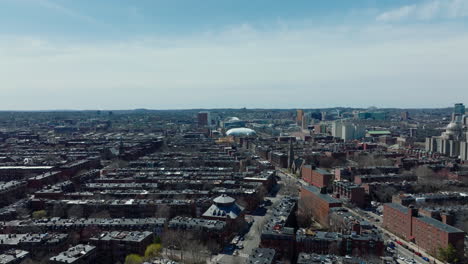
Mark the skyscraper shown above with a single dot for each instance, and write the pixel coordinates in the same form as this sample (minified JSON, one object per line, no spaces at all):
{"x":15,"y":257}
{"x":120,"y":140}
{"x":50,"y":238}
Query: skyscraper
{"x":299,"y":116}
{"x":203,"y":119}
{"x":459,"y":109}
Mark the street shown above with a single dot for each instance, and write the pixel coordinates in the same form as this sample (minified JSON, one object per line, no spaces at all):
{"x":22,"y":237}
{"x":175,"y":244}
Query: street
{"x":252,"y":238}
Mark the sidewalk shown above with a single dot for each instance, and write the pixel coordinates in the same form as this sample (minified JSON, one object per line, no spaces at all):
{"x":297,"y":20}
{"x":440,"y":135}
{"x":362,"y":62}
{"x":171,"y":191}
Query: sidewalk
{"x":408,"y":244}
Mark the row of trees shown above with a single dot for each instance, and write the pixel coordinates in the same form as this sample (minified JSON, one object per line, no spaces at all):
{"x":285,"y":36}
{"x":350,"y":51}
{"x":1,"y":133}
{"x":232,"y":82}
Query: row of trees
{"x":153,"y":250}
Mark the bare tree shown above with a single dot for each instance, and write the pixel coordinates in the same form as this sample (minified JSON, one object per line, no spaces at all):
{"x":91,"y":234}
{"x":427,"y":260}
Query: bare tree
{"x":100,"y":214}
{"x":163,"y":211}
{"x":425,"y":175}
{"x":304,"y":214}
{"x":58,"y":210}
{"x":289,"y":187}
{"x":333,"y":248}
{"x":385,"y":195}
{"x":175,"y":240}
{"x":75,"y":211}
{"x":198,"y":252}
{"x":213,"y":246}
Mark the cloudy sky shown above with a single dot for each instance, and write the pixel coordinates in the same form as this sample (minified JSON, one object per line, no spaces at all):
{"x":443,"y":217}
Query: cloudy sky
{"x":172,"y":54}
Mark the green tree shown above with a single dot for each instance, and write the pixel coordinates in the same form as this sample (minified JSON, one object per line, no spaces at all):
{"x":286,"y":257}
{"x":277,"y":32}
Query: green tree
{"x":157,"y":240}
{"x":39,"y":214}
{"x":152,"y":250}
{"x":448,"y":254}
{"x":133,"y":259}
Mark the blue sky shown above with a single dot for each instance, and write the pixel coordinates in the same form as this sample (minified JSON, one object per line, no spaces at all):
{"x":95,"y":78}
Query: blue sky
{"x":114,"y":54}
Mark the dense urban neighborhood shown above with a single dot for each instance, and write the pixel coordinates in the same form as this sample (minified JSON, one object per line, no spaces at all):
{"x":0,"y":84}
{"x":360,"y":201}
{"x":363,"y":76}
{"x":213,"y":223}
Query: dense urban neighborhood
{"x":255,"y":186}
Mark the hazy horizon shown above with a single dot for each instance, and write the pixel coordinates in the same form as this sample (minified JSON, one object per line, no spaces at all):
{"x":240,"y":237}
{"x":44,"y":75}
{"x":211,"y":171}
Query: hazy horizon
{"x":232,"y":54}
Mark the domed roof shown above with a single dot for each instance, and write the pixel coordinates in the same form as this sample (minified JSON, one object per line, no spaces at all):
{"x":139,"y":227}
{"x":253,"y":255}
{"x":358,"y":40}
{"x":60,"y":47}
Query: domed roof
{"x":454,"y":126}
{"x":241,"y":132}
{"x":224,"y":200}
{"x":232,"y":119}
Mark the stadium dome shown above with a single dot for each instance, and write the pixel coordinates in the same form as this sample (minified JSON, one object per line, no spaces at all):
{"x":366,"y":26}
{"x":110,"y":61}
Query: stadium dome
{"x":241,"y":132}
{"x":232,"y":119}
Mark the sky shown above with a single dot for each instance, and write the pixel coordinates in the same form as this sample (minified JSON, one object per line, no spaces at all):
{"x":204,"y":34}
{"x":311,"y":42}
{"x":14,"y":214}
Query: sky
{"x":174,"y":54}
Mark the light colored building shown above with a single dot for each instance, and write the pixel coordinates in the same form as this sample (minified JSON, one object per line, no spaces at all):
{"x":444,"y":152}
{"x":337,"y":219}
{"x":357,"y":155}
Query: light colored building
{"x":347,"y":131}
{"x":453,"y":141}
{"x":337,"y":129}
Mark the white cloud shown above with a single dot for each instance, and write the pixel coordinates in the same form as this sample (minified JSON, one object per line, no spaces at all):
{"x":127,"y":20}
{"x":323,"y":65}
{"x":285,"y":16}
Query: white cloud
{"x":427,"y":10}
{"x":65,"y":11}
{"x":397,"y":14}
{"x":383,"y":65}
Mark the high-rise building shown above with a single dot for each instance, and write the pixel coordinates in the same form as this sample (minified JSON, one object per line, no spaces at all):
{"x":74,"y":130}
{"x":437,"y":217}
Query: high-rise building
{"x":459,"y":109}
{"x":347,"y":131}
{"x":305,"y":122}
{"x":452,"y":142}
{"x":324,"y":116}
{"x":204,"y":119}
{"x":337,"y":129}
{"x":299,"y":116}
{"x":404,"y":115}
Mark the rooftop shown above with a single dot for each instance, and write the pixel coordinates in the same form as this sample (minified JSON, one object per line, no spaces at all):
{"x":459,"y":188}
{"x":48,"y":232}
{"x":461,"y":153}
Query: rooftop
{"x":322,"y":196}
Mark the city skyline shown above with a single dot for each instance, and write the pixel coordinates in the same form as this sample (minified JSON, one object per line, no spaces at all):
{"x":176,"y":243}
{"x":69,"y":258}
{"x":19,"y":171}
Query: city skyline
{"x":186,"y":55}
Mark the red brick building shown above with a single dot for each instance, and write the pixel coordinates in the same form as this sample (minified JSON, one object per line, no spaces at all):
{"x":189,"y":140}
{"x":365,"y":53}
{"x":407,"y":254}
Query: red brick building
{"x":316,"y":176}
{"x":432,"y":234}
{"x":350,"y":192}
{"x":428,"y":233}
{"x":318,"y":202}
{"x":397,"y":219}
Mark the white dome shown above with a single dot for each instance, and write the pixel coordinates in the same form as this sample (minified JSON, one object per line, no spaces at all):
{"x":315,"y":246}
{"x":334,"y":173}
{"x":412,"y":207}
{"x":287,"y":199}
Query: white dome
{"x":454,"y":126}
{"x":241,"y":132}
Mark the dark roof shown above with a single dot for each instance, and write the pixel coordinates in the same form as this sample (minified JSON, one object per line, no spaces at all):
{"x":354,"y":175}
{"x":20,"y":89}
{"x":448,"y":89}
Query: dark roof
{"x":439,"y":225}
{"x":322,"y":196}
{"x":399,"y":207}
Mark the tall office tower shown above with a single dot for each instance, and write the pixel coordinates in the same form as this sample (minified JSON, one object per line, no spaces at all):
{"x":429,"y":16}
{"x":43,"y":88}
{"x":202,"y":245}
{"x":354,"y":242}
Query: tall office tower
{"x":305,"y":122}
{"x":324,"y":116}
{"x":299,"y":116}
{"x":337,"y":129}
{"x":458,"y":112}
{"x":404,"y":115}
{"x":459,"y":109}
{"x":203,"y":119}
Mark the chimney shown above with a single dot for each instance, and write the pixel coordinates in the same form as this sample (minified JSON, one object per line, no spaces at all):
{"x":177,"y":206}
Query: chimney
{"x":356,"y":228}
{"x":447,"y":219}
{"x":413,"y":211}
{"x":323,"y":190}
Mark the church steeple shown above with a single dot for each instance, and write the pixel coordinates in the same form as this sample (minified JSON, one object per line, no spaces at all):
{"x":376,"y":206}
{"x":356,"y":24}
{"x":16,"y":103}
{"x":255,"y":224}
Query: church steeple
{"x":290,"y":154}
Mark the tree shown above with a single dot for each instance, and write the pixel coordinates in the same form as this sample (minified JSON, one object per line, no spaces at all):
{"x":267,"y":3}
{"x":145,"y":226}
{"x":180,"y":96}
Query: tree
{"x":39,"y":214}
{"x":152,"y":250}
{"x":157,"y":240}
{"x":448,"y":254}
{"x":213,"y":246}
{"x":384,"y":195}
{"x":289,"y":186}
{"x":163,"y":211}
{"x":425,"y":174}
{"x":58,"y":210}
{"x":174,"y":240}
{"x":304,"y":214}
{"x":100,"y":214}
{"x":198,"y":251}
{"x":76,"y":211}
{"x":133,"y":259}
